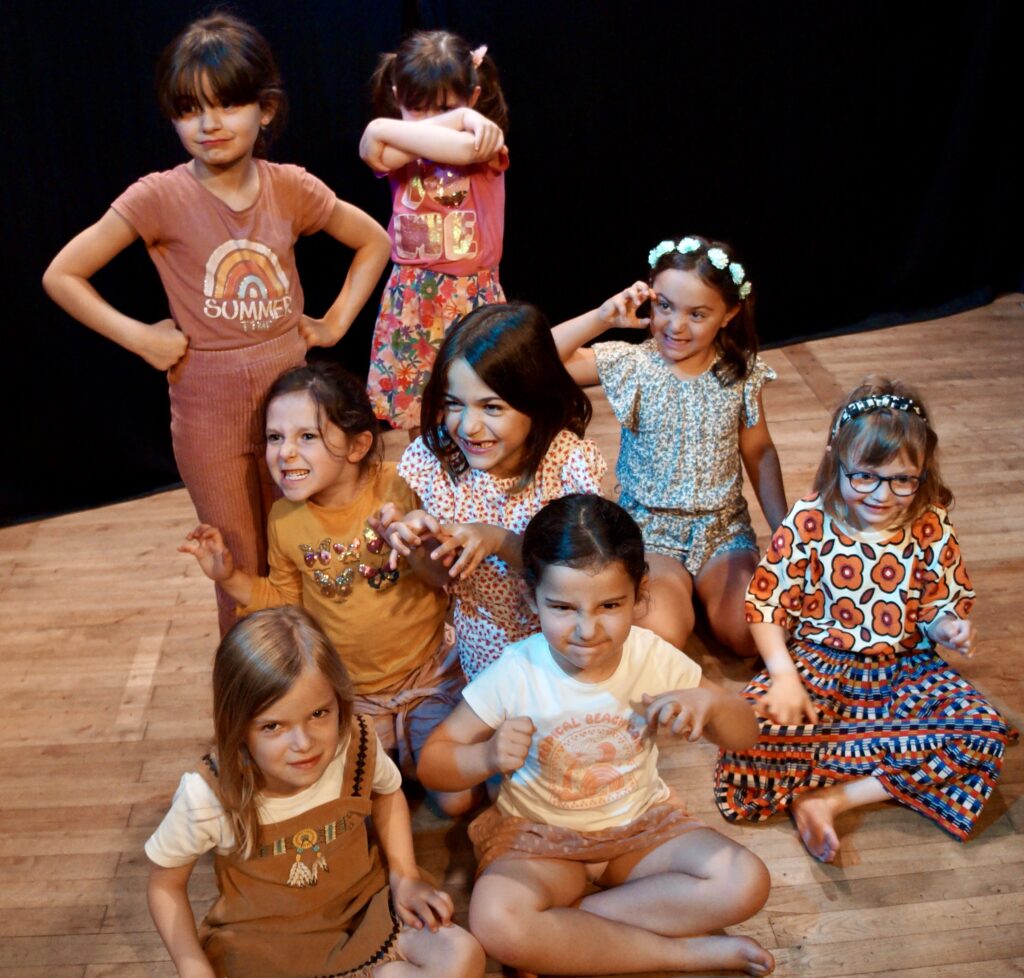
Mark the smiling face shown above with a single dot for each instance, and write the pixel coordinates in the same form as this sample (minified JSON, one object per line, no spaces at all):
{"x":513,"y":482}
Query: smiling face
{"x":880,"y":509}
{"x":586,"y":615}
{"x":293,"y":739}
{"x":219,"y":137}
{"x":686,"y":316}
{"x":309,"y":458}
{"x":488,"y":430}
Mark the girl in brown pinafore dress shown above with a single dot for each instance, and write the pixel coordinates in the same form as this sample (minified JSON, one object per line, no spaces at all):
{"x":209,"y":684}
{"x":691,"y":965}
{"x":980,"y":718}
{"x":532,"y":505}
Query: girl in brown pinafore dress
{"x":283,"y":801}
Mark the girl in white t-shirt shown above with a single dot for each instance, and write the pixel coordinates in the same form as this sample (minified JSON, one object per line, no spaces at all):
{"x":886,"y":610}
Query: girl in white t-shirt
{"x":569,"y":717}
{"x":283,"y":801}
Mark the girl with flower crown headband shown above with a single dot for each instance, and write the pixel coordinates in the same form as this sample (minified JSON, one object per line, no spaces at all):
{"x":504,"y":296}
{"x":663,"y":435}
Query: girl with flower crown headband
{"x":861,"y":582}
{"x":689,"y":402}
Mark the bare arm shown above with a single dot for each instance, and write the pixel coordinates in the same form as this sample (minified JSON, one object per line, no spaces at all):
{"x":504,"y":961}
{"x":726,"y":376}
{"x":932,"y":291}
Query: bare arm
{"x":620,"y":310}
{"x":787,"y":701}
{"x":66,"y":281}
{"x":708,"y":711}
{"x":761,"y":461}
{"x":356,"y":230}
{"x":206,"y":544}
{"x":459,"y":137}
{"x":167,"y":894}
{"x":463,"y":751}
{"x":418,"y":903}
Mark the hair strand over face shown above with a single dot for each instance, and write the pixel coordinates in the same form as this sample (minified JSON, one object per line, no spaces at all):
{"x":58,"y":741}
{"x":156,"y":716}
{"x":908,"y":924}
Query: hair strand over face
{"x":225,"y":58}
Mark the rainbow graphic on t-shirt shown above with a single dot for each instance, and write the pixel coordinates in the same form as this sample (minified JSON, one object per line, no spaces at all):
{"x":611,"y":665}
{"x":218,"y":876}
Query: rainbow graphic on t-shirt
{"x":246,"y":283}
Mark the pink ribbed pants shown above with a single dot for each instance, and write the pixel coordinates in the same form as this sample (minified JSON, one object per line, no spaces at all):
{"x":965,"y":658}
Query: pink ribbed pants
{"x":217,"y":430}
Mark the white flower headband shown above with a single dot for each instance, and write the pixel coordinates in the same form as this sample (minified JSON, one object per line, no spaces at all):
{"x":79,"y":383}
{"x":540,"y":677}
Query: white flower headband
{"x":716,"y":256}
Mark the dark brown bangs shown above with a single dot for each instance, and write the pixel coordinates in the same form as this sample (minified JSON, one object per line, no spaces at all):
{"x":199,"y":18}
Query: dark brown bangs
{"x":216,"y":74}
{"x":223,"y":59}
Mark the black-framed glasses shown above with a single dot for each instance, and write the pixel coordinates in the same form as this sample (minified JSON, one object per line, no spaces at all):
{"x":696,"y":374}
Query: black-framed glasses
{"x":865,"y":482}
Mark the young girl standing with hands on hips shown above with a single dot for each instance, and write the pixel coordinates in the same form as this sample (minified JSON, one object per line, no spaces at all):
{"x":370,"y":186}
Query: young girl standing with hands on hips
{"x":221,"y":231}
{"x":503,"y":435}
{"x":569,"y":718}
{"x":388,"y":623}
{"x":440,"y":140}
{"x":689,"y":402}
{"x":282,"y":801}
{"x":861,"y":582}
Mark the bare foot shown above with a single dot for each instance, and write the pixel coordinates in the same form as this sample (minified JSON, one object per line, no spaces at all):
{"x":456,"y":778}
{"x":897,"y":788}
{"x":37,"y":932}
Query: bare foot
{"x":727,"y":954}
{"x":814,"y":817}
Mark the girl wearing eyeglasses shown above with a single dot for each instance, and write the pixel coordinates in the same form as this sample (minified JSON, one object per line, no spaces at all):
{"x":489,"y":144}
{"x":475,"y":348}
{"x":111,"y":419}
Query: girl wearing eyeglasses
{"x":860,"y":584}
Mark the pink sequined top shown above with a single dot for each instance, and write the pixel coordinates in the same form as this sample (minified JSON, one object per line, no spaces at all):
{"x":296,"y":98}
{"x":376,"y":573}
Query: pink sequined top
{"x":489,"y":611}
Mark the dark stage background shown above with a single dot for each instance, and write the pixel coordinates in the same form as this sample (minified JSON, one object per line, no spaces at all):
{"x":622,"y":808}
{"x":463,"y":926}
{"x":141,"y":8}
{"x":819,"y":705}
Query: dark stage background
{"x":858,"y":154}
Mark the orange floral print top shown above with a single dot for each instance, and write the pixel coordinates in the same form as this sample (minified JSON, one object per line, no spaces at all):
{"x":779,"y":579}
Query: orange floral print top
{"x":830,"y":588}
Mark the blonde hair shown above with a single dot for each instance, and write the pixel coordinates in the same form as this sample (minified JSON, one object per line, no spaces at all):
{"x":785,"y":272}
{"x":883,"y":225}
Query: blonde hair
{"x":875,"y":438}
{"x":257,"y":662}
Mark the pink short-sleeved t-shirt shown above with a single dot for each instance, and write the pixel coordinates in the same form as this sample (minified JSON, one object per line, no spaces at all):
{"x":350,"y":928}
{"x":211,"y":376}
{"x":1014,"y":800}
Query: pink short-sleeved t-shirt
{"x":230,"y":276}
{"x":447,"y":218}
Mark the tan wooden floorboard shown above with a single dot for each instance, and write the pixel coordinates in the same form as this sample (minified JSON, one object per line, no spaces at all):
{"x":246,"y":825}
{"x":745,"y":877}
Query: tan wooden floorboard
{"x":108,"y":635}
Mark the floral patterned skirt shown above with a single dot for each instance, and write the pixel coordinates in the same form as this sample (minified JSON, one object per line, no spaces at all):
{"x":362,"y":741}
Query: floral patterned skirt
{"x":416,"y":310}
{"x":910,"y":720}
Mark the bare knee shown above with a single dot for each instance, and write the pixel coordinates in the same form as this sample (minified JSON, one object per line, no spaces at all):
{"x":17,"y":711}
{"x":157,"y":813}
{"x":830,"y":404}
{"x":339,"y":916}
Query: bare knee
{"x":668,"y":609}
{"x":449,"y":952}
{"x":462,"y":955}
{"x":456,"y":803}
{"x":749,"y":882}
{"x":501,"y":926}
{"x":734,"y":635}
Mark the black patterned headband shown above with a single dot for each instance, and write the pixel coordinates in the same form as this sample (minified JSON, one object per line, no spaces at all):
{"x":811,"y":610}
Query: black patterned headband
{"x":877,"y":402}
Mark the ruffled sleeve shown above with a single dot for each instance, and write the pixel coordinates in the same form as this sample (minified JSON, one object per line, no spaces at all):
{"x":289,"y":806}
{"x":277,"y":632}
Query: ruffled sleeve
{"x":620,"y":368}
{"x":423,"y":474}
{"x":571,"y":465}
{"x":760,"y":374}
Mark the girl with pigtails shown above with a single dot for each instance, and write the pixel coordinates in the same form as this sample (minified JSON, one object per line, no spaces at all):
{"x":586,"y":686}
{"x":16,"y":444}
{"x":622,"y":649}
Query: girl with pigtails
{"x":440,"y":139}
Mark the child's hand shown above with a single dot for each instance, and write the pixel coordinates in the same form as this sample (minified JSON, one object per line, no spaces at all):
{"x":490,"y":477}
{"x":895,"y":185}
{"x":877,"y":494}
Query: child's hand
{"x":163,"y":345}
{"x":408,"y":533}
{"x":787,"y":702}
{"x":510,"y":744}
{"x":955,"y":634}
{"x":683,"y":711}
{"x":488,"y":139}
{"x":620,"y":310}
{"x":419,"y":904}
{"x":206,"y":544}
{"x":317,"y":332}
{"x":476,"y":541}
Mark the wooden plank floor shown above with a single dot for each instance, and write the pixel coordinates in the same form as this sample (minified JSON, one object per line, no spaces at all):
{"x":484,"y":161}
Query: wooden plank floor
{"x":108,"y":635}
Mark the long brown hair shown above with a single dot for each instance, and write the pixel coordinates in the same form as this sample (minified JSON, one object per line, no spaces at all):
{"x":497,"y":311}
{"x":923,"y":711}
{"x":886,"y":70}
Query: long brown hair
{"x":875,"y":438}
{"x":257,"y":662}
{"x":510,"y":348}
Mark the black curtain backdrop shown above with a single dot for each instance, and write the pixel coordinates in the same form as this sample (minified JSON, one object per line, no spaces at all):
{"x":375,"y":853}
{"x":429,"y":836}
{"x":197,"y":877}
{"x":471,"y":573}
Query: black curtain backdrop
{"x":857,"y":154}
